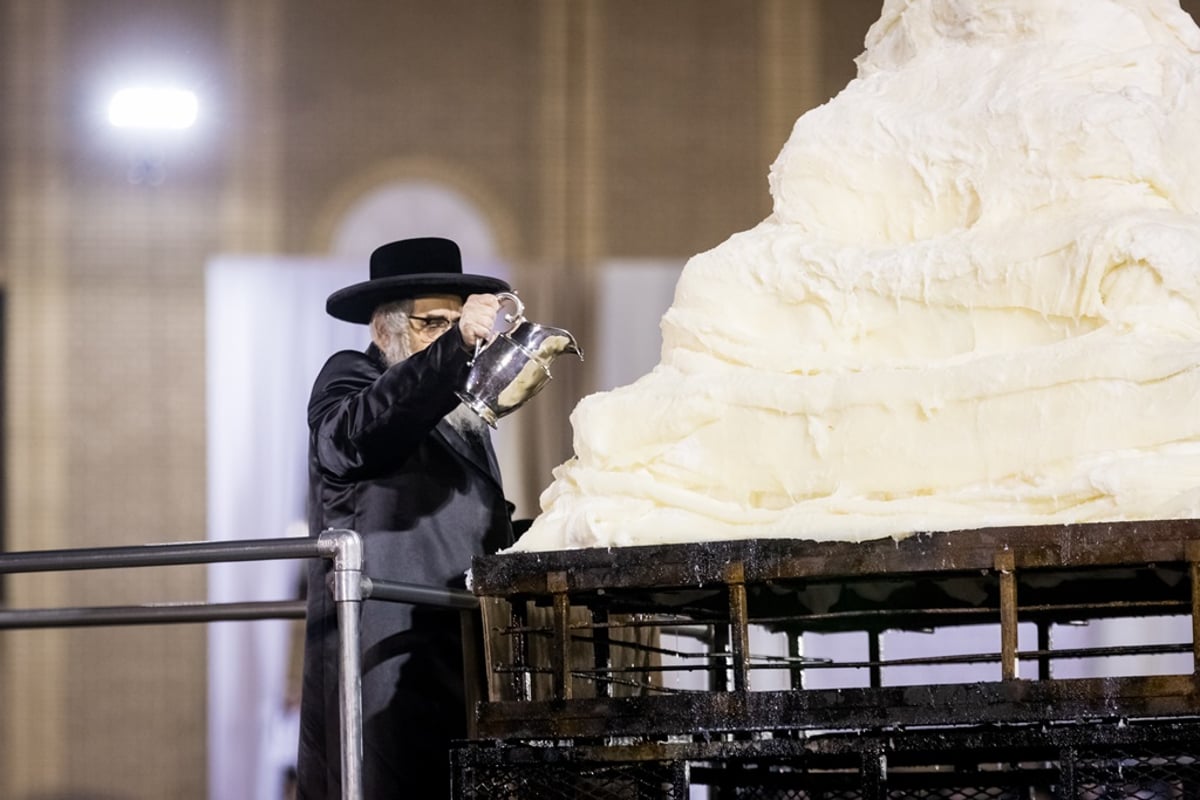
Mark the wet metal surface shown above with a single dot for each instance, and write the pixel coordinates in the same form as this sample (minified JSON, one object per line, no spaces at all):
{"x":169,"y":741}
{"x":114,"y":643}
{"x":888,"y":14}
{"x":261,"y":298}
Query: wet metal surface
{"x":763,"y":560}
{"x":1113,"y":760}
{"x":562,"y":624}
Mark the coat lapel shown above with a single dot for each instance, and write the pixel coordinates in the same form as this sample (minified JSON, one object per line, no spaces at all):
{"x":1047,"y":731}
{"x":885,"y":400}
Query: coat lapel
{"x":483,"y":457}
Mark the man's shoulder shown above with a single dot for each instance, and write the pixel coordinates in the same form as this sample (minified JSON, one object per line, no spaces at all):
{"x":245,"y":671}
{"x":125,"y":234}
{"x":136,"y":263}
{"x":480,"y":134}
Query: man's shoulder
{"x":347,"y":358}
{"x":348,"y":364}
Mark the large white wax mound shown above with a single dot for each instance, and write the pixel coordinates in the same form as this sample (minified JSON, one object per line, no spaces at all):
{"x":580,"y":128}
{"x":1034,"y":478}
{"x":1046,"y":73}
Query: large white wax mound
{"x":976,"y":303}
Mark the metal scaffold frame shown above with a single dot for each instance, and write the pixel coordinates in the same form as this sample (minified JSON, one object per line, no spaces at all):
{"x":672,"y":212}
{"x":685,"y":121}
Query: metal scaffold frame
{"x":349,"y":586}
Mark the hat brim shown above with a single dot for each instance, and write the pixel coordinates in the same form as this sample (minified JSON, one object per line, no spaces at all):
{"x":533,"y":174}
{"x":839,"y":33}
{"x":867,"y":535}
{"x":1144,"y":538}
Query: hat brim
{"x":358,"y":302}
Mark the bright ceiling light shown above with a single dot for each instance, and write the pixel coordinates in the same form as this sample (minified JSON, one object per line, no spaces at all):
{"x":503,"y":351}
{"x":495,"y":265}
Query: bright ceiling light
{"x":153,"y":108}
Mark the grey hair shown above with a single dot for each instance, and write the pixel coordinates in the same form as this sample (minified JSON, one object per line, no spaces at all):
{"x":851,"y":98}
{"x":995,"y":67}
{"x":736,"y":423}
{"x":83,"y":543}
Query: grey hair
{"x":390,"y":330}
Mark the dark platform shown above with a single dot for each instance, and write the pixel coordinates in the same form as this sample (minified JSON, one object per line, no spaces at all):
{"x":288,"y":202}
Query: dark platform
{"x":576,"y":653}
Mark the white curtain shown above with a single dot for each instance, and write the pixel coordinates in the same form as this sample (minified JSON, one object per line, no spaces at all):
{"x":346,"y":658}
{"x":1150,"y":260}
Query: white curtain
{"x":267,"y":335}
{"x":633,"y":296}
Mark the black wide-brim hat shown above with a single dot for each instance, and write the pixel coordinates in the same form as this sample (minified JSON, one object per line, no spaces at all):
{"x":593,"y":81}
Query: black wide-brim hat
{"x":409,"y":268}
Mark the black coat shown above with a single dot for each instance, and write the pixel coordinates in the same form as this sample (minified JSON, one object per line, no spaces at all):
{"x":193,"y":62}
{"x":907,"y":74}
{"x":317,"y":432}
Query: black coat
{"x":383,"y":463}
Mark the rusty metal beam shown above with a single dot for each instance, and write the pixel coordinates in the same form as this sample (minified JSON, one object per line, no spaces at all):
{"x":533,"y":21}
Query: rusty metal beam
{"x":1193,"y":556}
{"x":889,"y":707}
{"x":1006,"y":566}
{"x":1045,"y":575}
{"x":704,"y":564}
{"x":739,"y":627}
{"x":560,"y":648}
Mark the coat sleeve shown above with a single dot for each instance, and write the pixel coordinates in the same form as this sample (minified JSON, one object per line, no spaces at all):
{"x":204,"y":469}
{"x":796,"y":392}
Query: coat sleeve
{"x":363,"y":421}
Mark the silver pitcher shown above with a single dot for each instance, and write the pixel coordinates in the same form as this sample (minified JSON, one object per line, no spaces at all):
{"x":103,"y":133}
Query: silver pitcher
{"x":515,"y":364}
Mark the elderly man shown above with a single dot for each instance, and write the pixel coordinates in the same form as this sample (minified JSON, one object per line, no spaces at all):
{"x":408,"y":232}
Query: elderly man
{"x":393,"y":456}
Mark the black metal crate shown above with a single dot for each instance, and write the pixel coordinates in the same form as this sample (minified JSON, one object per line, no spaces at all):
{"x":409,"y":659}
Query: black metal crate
{"x":1119,"y":760}
{"x":582,"y":648}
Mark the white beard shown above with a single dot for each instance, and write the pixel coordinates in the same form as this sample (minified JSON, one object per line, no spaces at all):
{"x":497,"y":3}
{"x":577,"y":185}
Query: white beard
{"x":396,"y":349}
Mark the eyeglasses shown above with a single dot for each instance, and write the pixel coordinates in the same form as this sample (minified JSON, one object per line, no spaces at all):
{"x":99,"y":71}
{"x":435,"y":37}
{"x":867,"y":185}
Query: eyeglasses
{"x":431,"y":324}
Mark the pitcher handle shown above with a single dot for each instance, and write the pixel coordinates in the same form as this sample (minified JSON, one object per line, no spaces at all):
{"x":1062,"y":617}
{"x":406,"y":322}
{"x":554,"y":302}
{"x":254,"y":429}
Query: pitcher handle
{"x":518,"y":316}
{"x":515,"y":318}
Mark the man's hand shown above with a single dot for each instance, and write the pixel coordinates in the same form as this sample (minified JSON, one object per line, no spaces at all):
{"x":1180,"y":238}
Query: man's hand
{"x":478,"y":316}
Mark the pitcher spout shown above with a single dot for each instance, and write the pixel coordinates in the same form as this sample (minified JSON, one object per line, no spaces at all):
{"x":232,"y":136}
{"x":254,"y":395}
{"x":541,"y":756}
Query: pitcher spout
{"x":573,"y":347}
{"x":544,"y":343}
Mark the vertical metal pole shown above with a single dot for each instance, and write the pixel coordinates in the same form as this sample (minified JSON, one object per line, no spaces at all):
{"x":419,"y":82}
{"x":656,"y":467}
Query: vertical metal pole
{"x":522,"y":677}
{"x":1193,"y":557}
{"x":493,"y":646}
{"x":602,"y":652}
{"x":474,"y":669}
{"x":346,"y":585}
{"x":681,"y":779}
{"x":1066,"y":772}
{"x":1043,"y":643}
{"x":795,"y":645}
{"x":874,"y":658}
{"x":873,"y":773}
{"x":560,"y":647}
{"x":718,"y":662}
{"x":739,"y":626}
{"x":1006,"y":565}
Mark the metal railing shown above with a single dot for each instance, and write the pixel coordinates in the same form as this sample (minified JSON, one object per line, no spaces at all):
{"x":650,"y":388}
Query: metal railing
{"x":349,"y":586}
